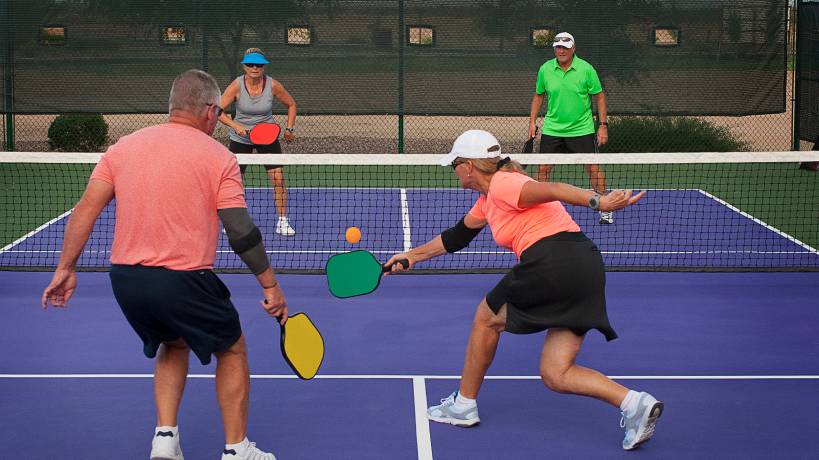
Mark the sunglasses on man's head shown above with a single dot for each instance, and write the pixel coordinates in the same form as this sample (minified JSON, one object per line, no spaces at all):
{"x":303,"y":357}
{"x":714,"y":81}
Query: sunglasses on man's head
{"x":254,"y":65}
{"x":562,"y":39}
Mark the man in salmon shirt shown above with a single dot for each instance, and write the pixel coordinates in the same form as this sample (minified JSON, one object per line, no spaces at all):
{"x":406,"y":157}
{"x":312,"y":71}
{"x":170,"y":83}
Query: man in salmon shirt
{"x":559,"y":284}
{"x":173,"y":183}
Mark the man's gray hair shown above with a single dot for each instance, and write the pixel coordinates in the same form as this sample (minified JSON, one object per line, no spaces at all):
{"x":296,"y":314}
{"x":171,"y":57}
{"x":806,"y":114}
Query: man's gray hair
{"x":192,"y":91}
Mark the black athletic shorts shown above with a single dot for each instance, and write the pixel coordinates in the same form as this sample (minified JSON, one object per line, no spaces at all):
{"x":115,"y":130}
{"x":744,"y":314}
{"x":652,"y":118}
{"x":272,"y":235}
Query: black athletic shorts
{"x":164,"y":305}
{"x":559,"y":282}
{"x":238,"y":147}
{"x":577,"y":144}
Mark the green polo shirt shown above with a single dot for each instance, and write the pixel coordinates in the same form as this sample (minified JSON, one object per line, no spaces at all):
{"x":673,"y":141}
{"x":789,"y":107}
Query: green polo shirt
{"x":569,"y":103}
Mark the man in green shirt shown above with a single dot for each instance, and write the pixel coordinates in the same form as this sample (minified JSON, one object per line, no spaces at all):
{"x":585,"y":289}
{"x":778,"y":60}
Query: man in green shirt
{"x":568,"y":126}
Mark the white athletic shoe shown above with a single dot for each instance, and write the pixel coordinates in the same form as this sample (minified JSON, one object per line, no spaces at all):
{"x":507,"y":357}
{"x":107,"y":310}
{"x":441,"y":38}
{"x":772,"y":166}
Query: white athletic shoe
{"x":446,"y":413}
{"x":283,"y":227}
{"x":252,"y":453}
{"x":640,"y":424}
{"x":165,"y":446}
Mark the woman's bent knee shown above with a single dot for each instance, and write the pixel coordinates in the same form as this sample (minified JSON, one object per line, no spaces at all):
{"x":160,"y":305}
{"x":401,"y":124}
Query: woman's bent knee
{"x":554,"y":379}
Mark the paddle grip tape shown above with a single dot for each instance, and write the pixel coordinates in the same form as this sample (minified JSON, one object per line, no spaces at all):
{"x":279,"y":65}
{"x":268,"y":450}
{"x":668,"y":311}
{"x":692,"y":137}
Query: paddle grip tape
{"x":458,"y":237}
{"x":245,"y":238}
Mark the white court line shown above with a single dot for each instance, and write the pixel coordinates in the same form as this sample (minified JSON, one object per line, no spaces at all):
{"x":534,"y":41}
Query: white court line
{"x":405,"y":220}
{"x":413,"y":377}
{"x":422,"y":438}
{"x":705,"y":252}
{"x":760,"y":222}
{"x":458,"y":189}
{"x":650,"y":252}
{"x":459,"y":253}
{"x":34,"y":232}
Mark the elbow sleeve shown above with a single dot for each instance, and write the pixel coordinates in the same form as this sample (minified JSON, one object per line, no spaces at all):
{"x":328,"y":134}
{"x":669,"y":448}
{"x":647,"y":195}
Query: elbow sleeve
{"x":245,"y":238}
{"x":458,"y":237}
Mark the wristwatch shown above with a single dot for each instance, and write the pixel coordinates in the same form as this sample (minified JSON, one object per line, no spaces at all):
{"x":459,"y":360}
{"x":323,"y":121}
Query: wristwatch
{"x":594,"y":202}
{"x":290,"y":130}
{"x":604,"y":123}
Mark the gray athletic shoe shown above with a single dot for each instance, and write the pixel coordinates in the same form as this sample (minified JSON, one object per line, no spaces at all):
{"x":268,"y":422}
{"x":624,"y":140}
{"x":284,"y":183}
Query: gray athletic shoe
{"x":445,"y":413}
{"x":640,"y":424}
{"x":606,"y":217}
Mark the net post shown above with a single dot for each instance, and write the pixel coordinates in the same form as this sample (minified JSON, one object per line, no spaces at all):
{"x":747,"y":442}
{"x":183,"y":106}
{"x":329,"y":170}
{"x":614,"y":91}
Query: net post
{"x":204,"y":36}
{"x":8,"y":83}
{"x":401,"y":39}
{"x":794,"y":52}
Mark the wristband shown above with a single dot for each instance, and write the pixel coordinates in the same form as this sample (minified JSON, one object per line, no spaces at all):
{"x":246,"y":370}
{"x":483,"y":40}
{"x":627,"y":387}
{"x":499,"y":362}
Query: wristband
{"x":276,"y":283}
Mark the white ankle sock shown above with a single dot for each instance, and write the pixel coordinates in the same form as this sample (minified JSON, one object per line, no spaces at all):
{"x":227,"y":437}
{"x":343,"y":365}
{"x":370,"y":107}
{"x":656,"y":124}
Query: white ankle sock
{"x":629,"y":404}
{"x":463,"y":403}
{"x":173,"y":429}
{"x":240,"y":448}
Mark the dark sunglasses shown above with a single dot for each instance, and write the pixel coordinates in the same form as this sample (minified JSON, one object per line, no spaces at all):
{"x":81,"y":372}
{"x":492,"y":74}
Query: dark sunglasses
{"x":219,"y":110}
{"x":457,"y":163}
{"x":256,"y":66}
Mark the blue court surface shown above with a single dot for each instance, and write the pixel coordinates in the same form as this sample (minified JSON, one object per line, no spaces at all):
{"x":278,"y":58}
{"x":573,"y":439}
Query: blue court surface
{"x":670,"y":228}
{"x":734,"y":357}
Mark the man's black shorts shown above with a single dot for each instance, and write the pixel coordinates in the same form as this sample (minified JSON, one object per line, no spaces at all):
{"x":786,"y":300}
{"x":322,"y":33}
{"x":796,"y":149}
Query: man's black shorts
{"x":576,"y":144}
{"x":238,"y":147}
{"x":164,"y":305}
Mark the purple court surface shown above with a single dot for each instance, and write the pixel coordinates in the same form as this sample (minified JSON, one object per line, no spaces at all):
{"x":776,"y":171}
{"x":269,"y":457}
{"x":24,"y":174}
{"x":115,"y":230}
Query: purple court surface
{"x":734,"y":357}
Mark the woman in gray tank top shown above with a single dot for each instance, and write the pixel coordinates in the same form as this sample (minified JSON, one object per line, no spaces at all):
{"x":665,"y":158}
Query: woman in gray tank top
{"x":253,"y":93}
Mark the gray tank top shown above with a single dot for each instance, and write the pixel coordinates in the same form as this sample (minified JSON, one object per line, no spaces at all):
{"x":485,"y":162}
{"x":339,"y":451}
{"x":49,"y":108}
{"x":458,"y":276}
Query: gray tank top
{"x":250,"y":111}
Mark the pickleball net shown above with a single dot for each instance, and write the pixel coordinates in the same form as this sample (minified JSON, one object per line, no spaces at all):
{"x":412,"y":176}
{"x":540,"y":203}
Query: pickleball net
{"x":727,"y":211}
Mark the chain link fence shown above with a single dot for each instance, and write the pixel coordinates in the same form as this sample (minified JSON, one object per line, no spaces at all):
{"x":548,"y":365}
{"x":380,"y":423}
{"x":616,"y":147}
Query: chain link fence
{"x":430,"y":134}
{"x":405,"y":76}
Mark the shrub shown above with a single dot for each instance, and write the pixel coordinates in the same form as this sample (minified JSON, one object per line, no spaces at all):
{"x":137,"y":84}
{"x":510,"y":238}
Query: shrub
{"x":669,"y":134}
{"x":78,"y":133}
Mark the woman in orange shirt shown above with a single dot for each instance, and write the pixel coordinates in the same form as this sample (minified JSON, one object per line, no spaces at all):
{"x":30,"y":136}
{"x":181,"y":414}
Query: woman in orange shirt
{"x":559,"y":284}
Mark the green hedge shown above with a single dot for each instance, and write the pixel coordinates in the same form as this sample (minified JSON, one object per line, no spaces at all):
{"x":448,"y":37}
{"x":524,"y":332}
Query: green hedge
{"x":78,"y":133}
{"x":669,"y":134}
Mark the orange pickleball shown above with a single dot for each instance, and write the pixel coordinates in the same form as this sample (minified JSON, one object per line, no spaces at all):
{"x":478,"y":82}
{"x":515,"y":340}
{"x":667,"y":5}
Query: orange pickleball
{"x":353,"y":235}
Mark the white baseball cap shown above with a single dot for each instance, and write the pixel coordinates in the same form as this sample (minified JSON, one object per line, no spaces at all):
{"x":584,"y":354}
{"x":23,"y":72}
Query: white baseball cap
{"x":474,"y":143}
{"x":563,"y":39}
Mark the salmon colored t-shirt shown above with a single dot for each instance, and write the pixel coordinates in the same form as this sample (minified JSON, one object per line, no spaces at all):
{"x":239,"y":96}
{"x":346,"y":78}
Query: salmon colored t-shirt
{"x":514,"y":227}
{"x":169,"y":180}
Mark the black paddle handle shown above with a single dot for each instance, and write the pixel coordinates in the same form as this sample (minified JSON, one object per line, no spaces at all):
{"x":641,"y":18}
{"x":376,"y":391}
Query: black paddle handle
{"x":404,"y":263}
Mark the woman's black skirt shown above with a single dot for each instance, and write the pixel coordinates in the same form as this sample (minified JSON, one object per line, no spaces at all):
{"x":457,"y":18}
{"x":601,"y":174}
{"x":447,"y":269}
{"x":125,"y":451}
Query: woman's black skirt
{"x":560,"y":282}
